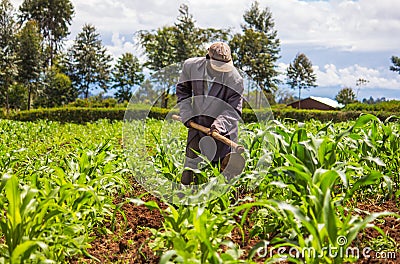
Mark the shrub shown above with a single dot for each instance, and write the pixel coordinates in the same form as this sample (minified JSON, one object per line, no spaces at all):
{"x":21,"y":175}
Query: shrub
{"x":85,"y":114}
{"x":387,"y":106}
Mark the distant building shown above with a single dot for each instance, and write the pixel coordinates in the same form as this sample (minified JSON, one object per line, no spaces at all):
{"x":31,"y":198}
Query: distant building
{"x":319,"y":103}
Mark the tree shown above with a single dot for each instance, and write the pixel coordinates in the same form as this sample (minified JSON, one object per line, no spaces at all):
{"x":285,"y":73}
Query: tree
{"x":57,"y":90}
{"x":300,"y":74}
{"x":126,"y":74}
{"x":396,"y":64}
{"x":29,"y":56}
{"x":256,"y":50}
{"x":190,"y":40}
{"x":8,"y":58}
{"x":346,"y":96}
{"x":17,"y":96}
{"x":359,"y":83}
{"x":284,"y":96}
{"x":53,"y":18}
{"x":145,"y":94}
{"x":174,"y":44}
{"x":88,"y":61}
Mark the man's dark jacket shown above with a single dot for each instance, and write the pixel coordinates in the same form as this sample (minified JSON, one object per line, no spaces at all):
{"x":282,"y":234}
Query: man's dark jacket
{"x":210,"y":98}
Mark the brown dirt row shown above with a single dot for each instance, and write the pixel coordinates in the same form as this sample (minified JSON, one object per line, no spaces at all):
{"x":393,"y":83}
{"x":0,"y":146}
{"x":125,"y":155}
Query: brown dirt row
{"x":129,"y":242}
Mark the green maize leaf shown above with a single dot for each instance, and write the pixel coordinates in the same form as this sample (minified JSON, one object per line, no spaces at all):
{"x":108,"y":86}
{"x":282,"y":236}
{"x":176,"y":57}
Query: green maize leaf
{"x":152,"y":205}
{"x":4,"y":179}
{"x":305,"y":221}
{"x":369,"y":179}
{"x":28,"y":202}
{"x":361,"y":224}
{"x":376,"y":160}
{"x":363,"y":120}
{"x":330,"y":217}
{"x":167,"y":256}
{"x":23,"y":251}
{"x":14,"y":201}
{"x":325,"y":179}
{"x":389,"y":184}
{"x":282,"y":185}
{"x":149,"y":204}
{"x":259,"y":247}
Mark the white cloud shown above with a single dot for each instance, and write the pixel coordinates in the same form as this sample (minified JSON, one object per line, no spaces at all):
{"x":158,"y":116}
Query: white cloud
{"x":363,"y":25}
{"x":119,"y":45}
{"x":330,"y":76}
{"x":367,"y":26}
{"x":348,"y":77}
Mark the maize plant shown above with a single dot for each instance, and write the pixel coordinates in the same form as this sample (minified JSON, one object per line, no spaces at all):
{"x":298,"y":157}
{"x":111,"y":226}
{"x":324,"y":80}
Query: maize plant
{"x":63,"y":185}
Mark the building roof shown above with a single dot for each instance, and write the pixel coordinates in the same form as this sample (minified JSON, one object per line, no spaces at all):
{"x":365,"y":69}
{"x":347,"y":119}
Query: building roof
{"x":327,"y":101}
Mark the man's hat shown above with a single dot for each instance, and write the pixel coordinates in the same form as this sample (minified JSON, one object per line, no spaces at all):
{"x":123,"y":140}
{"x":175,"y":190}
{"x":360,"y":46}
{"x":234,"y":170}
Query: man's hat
{"x":220,"y":57}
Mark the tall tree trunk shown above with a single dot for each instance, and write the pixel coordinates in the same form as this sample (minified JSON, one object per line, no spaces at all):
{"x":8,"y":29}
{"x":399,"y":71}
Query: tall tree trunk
{"x":299,"y":97}
{"x":29,"y":96}
{"x":86,"y":90}
{"x":7,"y":102}
{"x":51,"y":53}
{"x":7,"y":96}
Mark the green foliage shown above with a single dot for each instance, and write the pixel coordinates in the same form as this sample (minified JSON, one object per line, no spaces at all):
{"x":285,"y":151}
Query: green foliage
{"x":17,"y":97}
{"x":346,"y":96}
{"x":174,"y":44}
{"x":256,"y":50}
{"x":51,"y":205}
{"x":89,"y":63}
{"x":158,"y":47}
{"x":53,"y":18}
{"x":303,"y":202}
{"x":392,"y":106}
{"x":96,"y":102}
{"x":300,"y":74}
{"x":83,"y":110}
{"x":145,"y":94}
{"x":190,"y":40}
{"x":195,"y":235}
{"x":8,"y":25}
{"x":396,"y":64}
{"x":84,"y":114}
{"x":8,"y":57}
{"x":57,"y":91}
{"x":169,"y":46}
{"x":30,"y":58}
{"x":74,"y":115}
{"x":126,"y":74}
{"x":56,"y":192}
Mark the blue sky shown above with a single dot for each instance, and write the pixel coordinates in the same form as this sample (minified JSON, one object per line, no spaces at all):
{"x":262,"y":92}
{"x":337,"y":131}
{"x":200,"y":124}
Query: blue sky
{"x":345,"y":40}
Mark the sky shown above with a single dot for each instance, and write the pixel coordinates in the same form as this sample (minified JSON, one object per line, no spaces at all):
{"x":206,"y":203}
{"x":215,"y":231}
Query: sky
{"x":344,"y":39}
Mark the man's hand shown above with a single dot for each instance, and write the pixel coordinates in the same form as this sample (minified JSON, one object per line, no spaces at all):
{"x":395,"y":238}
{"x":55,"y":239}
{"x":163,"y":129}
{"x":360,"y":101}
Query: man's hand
{"x":187,"y":123}
{"x":212,"y":129}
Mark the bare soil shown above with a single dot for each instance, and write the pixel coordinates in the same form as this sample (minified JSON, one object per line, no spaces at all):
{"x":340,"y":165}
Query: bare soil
{"x":129,"y":242}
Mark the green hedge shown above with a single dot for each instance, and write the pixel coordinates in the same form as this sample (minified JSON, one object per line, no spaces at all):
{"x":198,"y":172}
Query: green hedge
{"x":387,"y":106}
{"x":83,"y":115}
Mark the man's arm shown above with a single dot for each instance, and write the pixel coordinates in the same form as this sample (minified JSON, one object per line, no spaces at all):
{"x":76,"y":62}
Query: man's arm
{"x":232,"y":112}
{"x":184,"y":93}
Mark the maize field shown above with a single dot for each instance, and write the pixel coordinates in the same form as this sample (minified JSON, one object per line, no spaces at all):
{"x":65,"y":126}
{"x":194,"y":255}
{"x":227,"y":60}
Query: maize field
{"x":68,"y":194}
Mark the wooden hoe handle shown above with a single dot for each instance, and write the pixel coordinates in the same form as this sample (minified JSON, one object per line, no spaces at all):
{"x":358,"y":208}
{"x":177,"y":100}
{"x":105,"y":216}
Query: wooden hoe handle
{"x":237,"y":148}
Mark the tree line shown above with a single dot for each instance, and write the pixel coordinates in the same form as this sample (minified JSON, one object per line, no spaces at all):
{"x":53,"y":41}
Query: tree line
{"x":36,"y":70}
